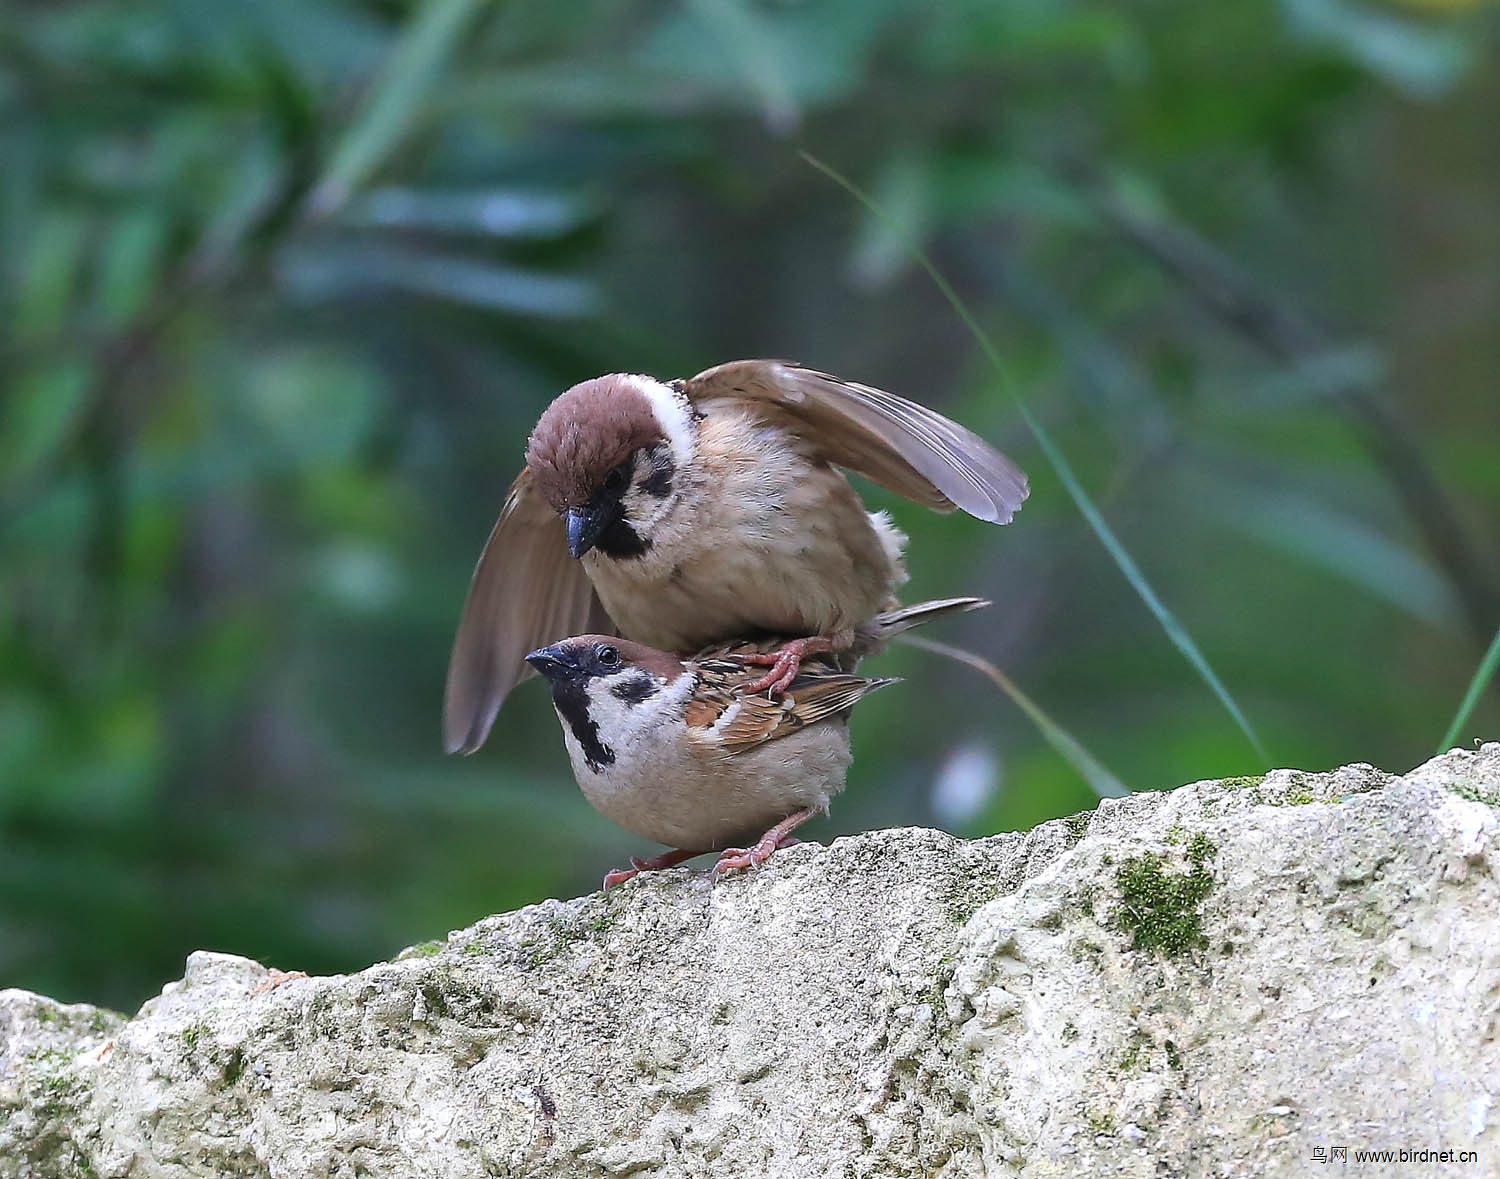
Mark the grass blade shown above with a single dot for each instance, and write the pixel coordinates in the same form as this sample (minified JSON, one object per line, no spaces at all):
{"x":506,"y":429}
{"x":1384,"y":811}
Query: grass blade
{"x":1089,"y":767}
{"x":1168,"y":621}
{"x":421,"y":51}
{"x":1482,"y":676}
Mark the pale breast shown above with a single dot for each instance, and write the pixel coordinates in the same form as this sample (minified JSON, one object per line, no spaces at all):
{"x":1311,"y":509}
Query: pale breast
{"x":764,"y":539}
{"x":666,"y":793}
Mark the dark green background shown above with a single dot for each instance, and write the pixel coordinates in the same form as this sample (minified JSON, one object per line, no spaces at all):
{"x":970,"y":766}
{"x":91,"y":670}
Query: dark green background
{"x":286,"y":282}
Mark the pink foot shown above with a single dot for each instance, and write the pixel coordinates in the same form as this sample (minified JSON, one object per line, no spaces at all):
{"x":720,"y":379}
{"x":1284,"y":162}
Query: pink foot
{"x":785,"y":662}
{"x":732,"y":859}
{"x":655,"y":864}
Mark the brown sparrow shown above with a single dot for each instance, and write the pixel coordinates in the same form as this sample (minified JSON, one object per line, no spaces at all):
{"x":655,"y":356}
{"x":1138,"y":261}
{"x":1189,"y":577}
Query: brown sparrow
{"x":682,"y":752}
{"x":701,"y":510}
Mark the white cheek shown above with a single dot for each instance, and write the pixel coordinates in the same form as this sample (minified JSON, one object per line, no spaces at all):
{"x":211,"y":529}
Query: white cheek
{"x":619,"y":723}
{"x":627,"y":728}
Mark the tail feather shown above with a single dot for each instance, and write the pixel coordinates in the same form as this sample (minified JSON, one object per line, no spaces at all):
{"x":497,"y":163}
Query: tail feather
{"x":873,"y":635}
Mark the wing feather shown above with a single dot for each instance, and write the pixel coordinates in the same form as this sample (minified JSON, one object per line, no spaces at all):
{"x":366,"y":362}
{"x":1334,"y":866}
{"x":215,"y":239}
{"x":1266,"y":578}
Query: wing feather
{"x":743,"y":722}
{"x":526,"y":592}
{"x":903,"y":446}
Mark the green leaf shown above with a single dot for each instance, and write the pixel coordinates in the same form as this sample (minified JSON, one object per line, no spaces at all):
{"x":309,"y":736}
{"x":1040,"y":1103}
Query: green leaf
{"x":130,"y":265}
{"x":492,"y":212}
{"x":750,"y":45}
{"x":335,"y":272}
{"x":423,"y":49}
{"x":905,"y":188}
{"x":42,"y":408}
{"x":53,"y":257}
{"x":1421,"y":58}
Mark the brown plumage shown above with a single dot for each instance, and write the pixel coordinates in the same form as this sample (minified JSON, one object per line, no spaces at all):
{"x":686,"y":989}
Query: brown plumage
{"x":704,"y":510}
{"x":678,"y":751}
{"x":586,"y":433}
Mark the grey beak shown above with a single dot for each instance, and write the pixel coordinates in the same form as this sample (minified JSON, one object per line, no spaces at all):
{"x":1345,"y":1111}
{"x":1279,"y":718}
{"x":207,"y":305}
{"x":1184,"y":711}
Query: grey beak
{"x":552,"y":662}
{"x":583,"y":526}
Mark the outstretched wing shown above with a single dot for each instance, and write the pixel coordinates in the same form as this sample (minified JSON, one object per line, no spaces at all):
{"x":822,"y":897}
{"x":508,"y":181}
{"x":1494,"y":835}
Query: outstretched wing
{"x":526,"y":592}
{"x":904,"y":447}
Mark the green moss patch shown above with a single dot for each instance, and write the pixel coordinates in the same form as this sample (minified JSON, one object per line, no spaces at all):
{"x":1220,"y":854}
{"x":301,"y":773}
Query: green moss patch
{"x":1489,"y":797}
{"x":1159,"y":907}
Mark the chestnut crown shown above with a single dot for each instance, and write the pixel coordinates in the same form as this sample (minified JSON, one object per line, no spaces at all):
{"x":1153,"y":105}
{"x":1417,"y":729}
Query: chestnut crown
{"x":586,"y":434}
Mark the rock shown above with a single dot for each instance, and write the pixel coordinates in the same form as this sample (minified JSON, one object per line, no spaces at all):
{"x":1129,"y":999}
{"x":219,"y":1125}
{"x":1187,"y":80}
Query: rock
{"x":1214,"y":981}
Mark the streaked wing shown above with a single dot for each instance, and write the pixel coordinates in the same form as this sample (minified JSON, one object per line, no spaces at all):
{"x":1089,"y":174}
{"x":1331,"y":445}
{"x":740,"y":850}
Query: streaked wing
{"x":748,"y":721}
{"x":526,"y":592}
{"x":902,"y":446}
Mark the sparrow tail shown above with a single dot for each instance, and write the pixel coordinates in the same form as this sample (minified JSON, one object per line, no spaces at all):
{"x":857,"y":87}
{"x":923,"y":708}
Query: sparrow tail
{"x":874,"y":635}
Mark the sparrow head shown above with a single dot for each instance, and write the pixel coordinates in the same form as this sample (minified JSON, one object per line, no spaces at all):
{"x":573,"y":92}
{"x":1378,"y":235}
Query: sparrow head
{"x":610,"y":692}
{"x":607,"y":455}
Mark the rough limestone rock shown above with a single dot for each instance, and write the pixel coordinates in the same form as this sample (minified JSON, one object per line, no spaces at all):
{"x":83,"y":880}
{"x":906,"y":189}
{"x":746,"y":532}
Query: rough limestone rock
{"x":1214,"y":981}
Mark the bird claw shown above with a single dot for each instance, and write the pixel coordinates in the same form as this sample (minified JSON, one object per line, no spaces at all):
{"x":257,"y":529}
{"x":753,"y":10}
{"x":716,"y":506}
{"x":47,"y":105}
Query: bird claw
{"x":785,"y":662}
{"x":619,"y":876}
{"x":654,"y":864}
{"x":732,"y":859}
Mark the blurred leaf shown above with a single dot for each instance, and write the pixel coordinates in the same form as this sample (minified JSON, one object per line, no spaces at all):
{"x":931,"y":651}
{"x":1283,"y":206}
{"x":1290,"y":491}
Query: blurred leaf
{"x":1350,"y":550}
{"x":1420,"y":58}
{"x":358,"y":576}
{"x":41,"y":409}
{"x":54,"y":256}
{"x":503,"y":213}
{"x":313,"y":404}
{"x":1330,"y":373}
{"x":330,"y":272}
{"x":985,"y":185}
{"x":782,"y":59}
{"x":429,"y":39}
{"x":130,"y":263}
{"x":969,"y":32}
{"x":604,"y":89}
{"x":904,"y":189}
{"x":748,"y":41}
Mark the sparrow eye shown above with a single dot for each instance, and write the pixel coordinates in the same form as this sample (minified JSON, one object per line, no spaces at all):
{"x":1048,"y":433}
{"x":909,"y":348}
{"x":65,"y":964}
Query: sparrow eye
{"x":615,"y":481}
{"x":609,"y":657}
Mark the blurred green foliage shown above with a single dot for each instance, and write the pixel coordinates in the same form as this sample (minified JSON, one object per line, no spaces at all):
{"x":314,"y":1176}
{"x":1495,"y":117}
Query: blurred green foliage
{"x":286,"y":282}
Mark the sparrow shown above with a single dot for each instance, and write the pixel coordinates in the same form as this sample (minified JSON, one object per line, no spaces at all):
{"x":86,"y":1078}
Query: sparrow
{"x":697,"y":511}
{"x":682,"y":752}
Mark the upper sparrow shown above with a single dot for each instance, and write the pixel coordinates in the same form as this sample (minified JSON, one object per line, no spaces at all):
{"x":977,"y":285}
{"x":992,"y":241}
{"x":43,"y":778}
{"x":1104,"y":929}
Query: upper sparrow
{"x":696,"y":511}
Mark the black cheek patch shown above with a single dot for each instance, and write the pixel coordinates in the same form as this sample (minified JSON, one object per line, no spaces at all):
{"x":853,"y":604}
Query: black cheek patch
{"x":573,"y":707}
{"x":636,"y":690}
{"x":621,"y":541}
{"x":659,"y":482}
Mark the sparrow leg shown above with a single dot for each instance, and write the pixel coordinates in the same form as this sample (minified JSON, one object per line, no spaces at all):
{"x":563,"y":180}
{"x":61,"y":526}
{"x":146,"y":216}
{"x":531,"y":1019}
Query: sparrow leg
{"x":733,"y":858}
{"x":655,"y":864}
{"x":786,"y":661}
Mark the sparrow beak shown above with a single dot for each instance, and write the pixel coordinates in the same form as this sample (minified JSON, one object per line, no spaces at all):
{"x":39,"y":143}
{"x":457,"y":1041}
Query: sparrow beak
{"x":584,"y":526}
{"x":552,"y":662}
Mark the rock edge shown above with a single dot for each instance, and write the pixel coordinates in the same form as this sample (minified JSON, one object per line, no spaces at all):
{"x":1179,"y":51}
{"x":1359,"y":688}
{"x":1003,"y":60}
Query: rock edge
{"x":1218,"y":981}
